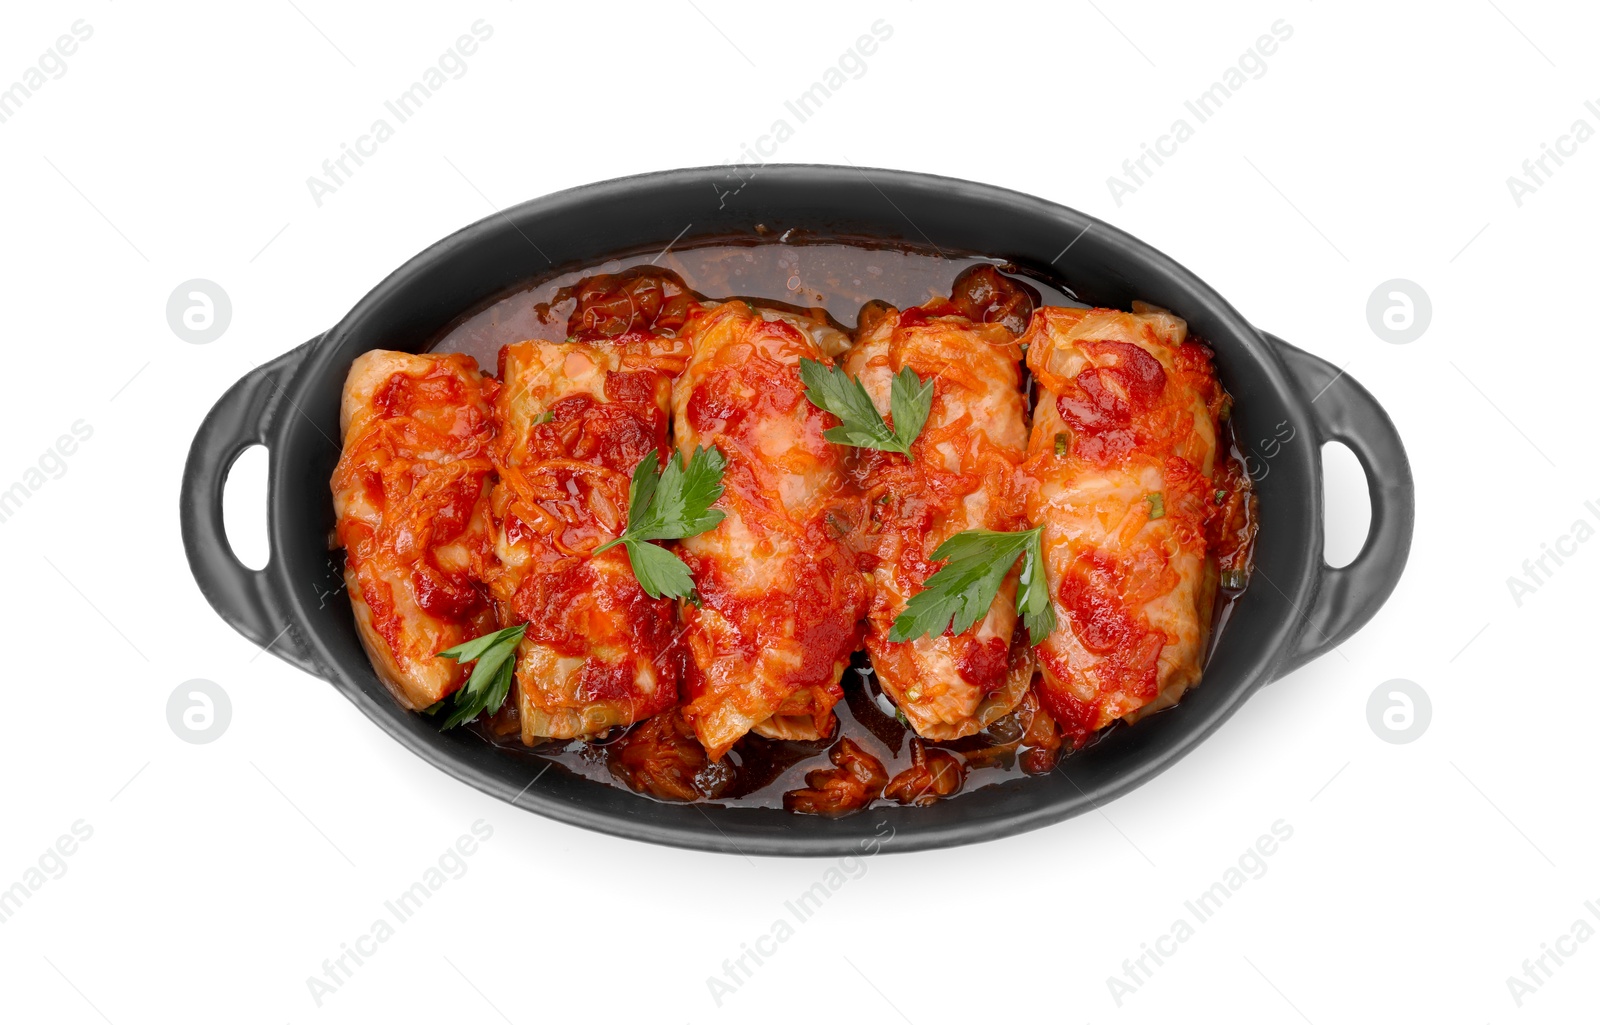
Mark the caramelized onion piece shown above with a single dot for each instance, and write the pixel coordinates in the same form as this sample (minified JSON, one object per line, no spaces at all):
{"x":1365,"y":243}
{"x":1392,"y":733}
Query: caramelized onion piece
{"x":871,"y":313}
{"x":662,"y":758}
{"x":505,"y":724}
{"x":644,"y":299}
{"x":932,"y":775}
{"x":1041,"y":741}
{"x":985,"y":296}
{"x":856,"y":783}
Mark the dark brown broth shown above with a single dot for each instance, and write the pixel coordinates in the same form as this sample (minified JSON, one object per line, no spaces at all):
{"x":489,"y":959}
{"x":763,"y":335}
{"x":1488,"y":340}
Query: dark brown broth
{"x":831,"y":282}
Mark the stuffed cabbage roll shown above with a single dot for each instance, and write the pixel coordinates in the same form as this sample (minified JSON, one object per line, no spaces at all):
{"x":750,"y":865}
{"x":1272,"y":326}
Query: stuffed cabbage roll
{"x":574,"y":420}
{"x":411,"y":497}
{"x":1123,"y":450}
{"x":962,"y":476}
{"x":778,"y":595}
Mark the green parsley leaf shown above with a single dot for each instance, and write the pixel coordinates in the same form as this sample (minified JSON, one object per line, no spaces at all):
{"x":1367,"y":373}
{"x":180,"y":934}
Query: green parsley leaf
{"x":641,"y":491}
{"x":494,"y":665}
{"x":960,"y":594}
{"x":666,"y":503}
{"x":659,"y":571}
{"x":469,"y":651}
{"x":910,"y":400}
{"x":860,"y":425}
{"x":1033,"y":592}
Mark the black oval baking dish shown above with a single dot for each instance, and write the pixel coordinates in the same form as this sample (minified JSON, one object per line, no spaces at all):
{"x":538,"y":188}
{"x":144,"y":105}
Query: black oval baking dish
{"x":1296,"y":609}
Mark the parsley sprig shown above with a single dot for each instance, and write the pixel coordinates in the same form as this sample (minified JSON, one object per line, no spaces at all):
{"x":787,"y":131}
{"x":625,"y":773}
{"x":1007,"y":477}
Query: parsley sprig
{"x":666,"y":503}
{"x":494,"y":655}
{"x":860,"y":425}
{"x":960,"y":594}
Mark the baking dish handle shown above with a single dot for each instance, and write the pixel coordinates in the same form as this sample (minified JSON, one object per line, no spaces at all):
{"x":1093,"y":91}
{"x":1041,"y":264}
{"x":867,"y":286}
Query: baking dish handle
{"x":246,"y":415}
{"x":1347,"y":596}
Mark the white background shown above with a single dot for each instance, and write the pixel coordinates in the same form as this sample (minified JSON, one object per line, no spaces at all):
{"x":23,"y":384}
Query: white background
{"x":1376,"y":146}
